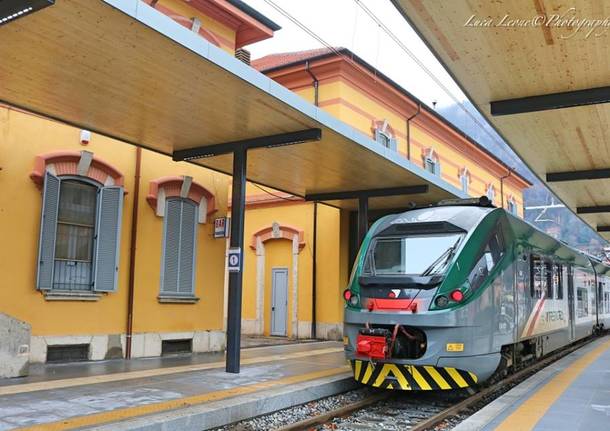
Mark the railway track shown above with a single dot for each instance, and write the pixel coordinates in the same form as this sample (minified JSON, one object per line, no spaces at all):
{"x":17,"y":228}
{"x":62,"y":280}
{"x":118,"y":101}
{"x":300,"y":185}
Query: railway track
{"x":420,"y":412}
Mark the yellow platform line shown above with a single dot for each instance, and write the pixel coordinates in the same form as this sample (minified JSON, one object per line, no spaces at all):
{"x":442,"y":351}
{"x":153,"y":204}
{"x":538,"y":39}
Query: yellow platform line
{"x":533,"y":409}
{"x":115,"y":377}
{"x":131,"y":412}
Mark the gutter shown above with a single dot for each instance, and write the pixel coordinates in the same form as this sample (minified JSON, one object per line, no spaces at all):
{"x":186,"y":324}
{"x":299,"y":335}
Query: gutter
{"x":409,"y":130}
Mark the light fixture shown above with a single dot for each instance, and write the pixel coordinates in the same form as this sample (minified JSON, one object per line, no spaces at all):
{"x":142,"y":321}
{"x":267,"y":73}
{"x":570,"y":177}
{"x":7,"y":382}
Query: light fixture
{"x":10,"y":10}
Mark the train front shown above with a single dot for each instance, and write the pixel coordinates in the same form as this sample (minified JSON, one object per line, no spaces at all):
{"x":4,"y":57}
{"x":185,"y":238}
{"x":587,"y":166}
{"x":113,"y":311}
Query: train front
{"x":412,"y":318}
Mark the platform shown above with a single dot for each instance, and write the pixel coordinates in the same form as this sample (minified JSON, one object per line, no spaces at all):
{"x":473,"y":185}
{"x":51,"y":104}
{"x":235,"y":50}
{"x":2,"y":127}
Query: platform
{"x":570,"y":394}
{"x":187,"y":393}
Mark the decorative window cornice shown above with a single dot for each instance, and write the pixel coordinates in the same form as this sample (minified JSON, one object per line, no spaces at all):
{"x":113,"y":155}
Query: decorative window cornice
{"x":429,"y":154}
{"x":184,"y":187}
{"x":80,"y":163}
{"x":278,"y":231}
{"x":384,"y":127}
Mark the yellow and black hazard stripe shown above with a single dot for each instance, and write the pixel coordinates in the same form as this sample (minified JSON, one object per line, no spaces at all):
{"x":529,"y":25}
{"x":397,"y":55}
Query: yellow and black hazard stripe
{"x":411,"y":377}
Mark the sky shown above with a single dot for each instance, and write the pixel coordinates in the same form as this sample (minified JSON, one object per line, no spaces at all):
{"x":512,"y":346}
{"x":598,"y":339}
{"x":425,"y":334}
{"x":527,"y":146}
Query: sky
{"x":342,"y":23}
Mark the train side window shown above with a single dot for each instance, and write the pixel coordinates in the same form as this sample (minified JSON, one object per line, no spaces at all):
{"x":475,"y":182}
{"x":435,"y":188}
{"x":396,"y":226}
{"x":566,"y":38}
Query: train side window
{"x":548,"y":279}
{"x":582,"y":302}
{"x":536,"y":270}
{"x":558,"y":280}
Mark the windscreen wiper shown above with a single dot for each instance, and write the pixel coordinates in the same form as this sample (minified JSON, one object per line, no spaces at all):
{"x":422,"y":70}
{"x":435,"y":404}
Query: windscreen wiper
{"x":442,"y":259}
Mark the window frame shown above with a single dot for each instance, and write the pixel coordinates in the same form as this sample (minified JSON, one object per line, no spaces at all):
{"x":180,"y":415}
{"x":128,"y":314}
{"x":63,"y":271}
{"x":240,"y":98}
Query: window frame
{"x":98,"y":186}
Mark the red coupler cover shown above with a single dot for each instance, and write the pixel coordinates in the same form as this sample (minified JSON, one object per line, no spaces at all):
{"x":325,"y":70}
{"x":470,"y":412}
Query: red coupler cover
{"x":373,"y":346}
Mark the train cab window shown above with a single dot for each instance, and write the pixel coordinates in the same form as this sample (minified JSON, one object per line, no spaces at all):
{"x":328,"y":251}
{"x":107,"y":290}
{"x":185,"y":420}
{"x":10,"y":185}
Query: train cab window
{"x":558,"y":280}
{"x":492,"y":253}
{"x":537,"y":281}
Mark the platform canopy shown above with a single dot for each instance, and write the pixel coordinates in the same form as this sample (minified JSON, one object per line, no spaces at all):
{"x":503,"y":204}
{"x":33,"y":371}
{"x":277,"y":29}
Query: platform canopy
{"x":543,"y":83}
{"x":123,"y":69}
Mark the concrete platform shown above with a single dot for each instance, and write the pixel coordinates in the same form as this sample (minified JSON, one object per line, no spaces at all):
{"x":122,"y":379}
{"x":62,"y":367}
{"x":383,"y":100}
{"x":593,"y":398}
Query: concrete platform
{"x":571,"y":394}
{"x":163,"y":393}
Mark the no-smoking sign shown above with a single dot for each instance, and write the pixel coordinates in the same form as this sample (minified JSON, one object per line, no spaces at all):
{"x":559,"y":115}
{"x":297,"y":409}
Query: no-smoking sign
{"x":234,"y":260}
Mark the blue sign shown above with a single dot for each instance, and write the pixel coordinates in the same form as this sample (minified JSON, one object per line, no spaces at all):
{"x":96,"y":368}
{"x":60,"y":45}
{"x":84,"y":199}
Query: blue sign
{"x":234,"y":260}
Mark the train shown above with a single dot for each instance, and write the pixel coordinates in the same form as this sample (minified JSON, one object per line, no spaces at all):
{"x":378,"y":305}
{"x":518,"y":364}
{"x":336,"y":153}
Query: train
{"x":451,"y":296}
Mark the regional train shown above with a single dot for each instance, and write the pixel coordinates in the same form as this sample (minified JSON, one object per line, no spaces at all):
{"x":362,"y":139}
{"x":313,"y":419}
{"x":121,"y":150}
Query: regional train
{"x":454,"y":295}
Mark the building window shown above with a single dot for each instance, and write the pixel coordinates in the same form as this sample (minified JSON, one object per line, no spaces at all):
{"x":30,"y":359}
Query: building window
{"x":431,"y":162}
{"x":75,"y":234}
{"x":79,"y":235}
{"x":465,"y":180}
{"x":491,"y":193}
{"x":179,"y":247}
{"x":384,"y":134}
{"x":511,"y":206}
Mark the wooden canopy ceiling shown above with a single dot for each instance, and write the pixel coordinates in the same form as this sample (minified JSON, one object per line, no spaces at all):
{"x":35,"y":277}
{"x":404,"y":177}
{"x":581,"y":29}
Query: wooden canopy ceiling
{"x":546,"y":51}
{"x":122,"y":69}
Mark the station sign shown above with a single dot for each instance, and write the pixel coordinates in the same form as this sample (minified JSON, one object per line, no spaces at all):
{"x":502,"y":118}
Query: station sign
{"x":234,"y":259}
{"x":221,"y":227}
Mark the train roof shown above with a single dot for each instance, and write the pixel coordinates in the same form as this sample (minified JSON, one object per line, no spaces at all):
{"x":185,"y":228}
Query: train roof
{"x":466,"y":217}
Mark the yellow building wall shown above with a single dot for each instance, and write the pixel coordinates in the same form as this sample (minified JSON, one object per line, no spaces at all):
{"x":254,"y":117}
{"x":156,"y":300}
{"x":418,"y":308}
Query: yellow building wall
{"x":278,"y":253}
{"x":22,"y":137}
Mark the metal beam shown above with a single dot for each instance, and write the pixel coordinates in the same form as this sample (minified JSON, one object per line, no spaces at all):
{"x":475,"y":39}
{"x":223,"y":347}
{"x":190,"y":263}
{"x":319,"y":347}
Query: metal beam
{"x":593,"y":209}
{"x":10,"y":10}
{"x":591,"y":174}
{"x":371,"y":193}
{"x":236,"y":241}
{"x":271,"y":141}
{"x":568,"y":99}
{"x":603,"y":228}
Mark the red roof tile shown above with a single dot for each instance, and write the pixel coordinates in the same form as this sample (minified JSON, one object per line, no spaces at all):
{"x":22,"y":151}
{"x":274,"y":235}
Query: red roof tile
{"x":283,"y":58}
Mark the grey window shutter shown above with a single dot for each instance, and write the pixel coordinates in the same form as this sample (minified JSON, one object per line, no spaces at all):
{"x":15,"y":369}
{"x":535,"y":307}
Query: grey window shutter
{"x":393,"y":144}
{"x":48,"y":232}
{"x":187,"y":248}
{"x":108,"y":231}
{"x":171,"y":247}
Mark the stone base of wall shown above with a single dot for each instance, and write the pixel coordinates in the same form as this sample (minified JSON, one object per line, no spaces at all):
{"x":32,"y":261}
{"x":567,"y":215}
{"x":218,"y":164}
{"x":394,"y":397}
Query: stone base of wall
{"x":111,"y":346}
{"x":14,"y":346}
{"x":329,"y":331}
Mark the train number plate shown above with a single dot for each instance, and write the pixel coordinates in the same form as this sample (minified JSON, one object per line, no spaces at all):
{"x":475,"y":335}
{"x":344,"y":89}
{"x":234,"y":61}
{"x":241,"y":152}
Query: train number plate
{"x":455,"y":347}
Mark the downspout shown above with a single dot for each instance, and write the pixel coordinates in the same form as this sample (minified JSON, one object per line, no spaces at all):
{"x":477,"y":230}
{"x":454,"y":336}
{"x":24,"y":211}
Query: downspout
{"x":132,"y":252}
{"x":314,"y":273}
{"x":510,"y":171}
{"x":409,"y":130}
{"x":314,"y":266}
{"x":316,"y":84}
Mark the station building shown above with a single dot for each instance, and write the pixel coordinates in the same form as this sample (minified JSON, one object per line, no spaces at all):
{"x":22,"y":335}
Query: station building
{"x":111,"y":251}
{"x":123,"y":260}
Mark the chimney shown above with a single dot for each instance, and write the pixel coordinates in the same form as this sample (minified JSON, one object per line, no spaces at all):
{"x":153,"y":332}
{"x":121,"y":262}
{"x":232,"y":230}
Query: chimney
{"x":243,"y":55}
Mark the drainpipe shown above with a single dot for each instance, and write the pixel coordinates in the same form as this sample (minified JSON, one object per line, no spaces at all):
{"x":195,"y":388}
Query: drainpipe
{"x":315,"y":83}
{"x":314,"y":273}
{"x":510,"y":171}
{"x":314,"y":266}
{"x":132,"y":252}
{"x":409,"y":130}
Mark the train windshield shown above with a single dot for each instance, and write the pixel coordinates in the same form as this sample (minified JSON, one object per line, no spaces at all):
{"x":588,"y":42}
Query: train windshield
{"x":413,"y":255}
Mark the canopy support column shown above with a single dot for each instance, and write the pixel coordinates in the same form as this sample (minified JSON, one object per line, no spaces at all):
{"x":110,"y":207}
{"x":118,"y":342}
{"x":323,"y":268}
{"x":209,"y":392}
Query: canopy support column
{"x":238,"y":205}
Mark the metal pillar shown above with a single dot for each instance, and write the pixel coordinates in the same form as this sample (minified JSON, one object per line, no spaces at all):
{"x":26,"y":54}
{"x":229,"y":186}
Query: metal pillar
{"x":363,"y":218}
{"x":238,"y":203}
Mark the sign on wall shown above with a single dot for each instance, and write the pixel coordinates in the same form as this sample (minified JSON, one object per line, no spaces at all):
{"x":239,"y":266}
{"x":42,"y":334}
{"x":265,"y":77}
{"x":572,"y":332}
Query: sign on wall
{"x":221,"y":227}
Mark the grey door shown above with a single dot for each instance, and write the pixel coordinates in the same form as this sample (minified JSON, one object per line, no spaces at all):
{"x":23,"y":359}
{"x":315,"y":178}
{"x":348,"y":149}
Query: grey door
{"x":279,"y":301}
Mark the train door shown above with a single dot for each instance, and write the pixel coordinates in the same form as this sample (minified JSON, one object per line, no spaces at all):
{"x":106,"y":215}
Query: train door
{"x":570,"y":278}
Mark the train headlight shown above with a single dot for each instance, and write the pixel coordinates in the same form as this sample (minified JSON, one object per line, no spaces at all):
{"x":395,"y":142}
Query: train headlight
{"x":347,"y":294}
{"x":441,"y":301}
{"x":456,"y":295}
{"x":354,"y":300}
